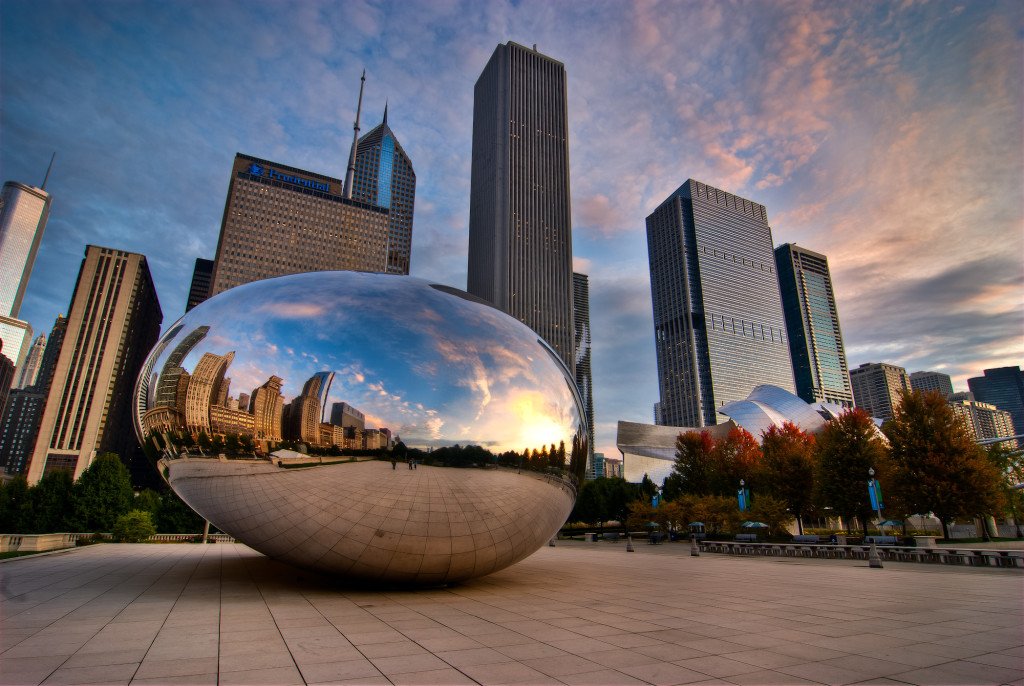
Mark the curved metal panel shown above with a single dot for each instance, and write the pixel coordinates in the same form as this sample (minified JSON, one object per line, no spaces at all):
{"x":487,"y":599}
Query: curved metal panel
{"x":344,"y":365}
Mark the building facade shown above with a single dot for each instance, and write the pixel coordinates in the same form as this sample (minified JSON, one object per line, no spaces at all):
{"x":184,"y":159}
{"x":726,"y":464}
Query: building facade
{"x":581,"y":351}
{"x":983,"y":420}
{"x":202,"y":280}
{"x":112,"y":324}
{"x":384,"y":177}
{"x":23,"y":213}
{"x":30,"y":368}
{"x":816,"y":350}
{"x":520,"y":225}
{"x":877,"y":387}
{"x":932,"y":381}
{"x":1004,"y":388}
{"x":281,"y":220}
{"x":718,"y":321}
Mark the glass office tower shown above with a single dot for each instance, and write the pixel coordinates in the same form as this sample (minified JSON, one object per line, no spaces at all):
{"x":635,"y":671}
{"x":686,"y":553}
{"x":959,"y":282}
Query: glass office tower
{"x":718,"y":322}
{"x":812,"y":321}
{"x":384,"y":177}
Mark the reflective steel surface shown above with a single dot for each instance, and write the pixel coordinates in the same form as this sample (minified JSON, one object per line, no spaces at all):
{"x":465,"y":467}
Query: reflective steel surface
{"x":370,"y":426}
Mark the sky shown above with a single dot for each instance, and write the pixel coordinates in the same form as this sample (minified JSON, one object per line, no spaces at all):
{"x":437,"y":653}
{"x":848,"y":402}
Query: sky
{"x":886,"y":135}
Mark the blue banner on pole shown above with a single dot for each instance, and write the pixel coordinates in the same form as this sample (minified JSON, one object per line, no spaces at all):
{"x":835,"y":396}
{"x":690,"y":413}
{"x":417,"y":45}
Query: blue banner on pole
{"x":743,"y":498}
{"x":875,"y":493}
{"x":655,"y":499}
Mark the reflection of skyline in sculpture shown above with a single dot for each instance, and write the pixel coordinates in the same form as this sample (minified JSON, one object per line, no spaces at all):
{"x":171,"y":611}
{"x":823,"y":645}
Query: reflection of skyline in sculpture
{"x":438,"y":369}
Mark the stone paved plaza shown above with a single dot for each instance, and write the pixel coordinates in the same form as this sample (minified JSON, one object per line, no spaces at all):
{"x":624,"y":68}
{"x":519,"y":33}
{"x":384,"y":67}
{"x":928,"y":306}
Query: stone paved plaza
{"x":579,"y":613}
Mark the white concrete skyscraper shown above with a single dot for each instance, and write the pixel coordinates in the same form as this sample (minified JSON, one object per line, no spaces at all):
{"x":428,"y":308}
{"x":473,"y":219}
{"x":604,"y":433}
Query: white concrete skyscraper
{"x":23,"y":214}
{"x":520,"y":228}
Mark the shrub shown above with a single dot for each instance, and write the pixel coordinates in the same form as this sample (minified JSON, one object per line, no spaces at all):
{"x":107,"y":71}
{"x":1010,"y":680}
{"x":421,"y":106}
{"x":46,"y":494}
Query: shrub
{"x":133,"y":527}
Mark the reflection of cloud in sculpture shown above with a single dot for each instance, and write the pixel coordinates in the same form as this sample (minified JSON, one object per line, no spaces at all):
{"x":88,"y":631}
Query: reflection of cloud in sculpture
{"x":433,"y":367}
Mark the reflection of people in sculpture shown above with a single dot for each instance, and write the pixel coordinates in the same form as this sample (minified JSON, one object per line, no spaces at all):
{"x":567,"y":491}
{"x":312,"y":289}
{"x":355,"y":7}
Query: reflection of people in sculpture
{"x":393,"y":462}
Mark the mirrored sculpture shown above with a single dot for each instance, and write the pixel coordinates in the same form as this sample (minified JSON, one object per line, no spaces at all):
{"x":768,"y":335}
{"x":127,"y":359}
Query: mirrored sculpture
{"x":369,"y":426}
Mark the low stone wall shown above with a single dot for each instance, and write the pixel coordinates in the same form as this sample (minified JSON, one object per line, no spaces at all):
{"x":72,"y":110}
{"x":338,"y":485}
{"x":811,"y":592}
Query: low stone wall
{"x":38,"y":543}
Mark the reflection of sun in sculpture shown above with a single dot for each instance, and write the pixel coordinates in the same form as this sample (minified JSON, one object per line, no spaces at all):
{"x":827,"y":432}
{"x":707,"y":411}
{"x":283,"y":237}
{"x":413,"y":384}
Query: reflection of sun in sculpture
{"x":537,"y":427}
{"x":242,"y":385}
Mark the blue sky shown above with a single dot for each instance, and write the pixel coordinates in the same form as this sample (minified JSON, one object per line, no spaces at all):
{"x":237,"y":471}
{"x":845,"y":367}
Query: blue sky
{"x":886,"y":135}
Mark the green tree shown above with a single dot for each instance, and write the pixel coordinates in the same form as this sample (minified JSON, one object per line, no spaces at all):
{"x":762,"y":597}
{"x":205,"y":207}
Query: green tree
{"x":938,"y":467}
{"x":771,"y":511}
{"x":847,"y":448}
{"x":693,"y":470}
{"x":52,"y":502}
{"x":175,"y":517}
{"x":788,"y":468}
{"x":15,"y":506}
{"x":133,"y":527}
{"x":103,"y":493}
{"x":149,"y":501}
{"x":590,"y":507}
{"x":203,"y":441}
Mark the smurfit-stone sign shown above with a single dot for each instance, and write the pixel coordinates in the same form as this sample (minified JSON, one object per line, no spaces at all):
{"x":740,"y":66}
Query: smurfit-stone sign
{"x":271,"y":173}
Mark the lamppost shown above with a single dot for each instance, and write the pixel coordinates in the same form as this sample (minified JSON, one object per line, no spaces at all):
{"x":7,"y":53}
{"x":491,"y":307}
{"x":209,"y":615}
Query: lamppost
{"x":1013,"y":504}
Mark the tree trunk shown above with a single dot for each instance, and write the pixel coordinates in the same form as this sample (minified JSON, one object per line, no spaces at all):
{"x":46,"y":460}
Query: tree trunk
{"x":799,"y":525}
{"x":945,"y":528}
{"x":984,"y":528}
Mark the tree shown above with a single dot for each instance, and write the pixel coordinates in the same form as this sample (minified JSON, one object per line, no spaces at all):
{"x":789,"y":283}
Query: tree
{"x":149,"y":501}
{"x":103,"y":493}
{"x":847,"y":448}
{"x":590,"y":505}
{"x":788,"y":468}
{"x":692,"y":472}
{"x":770,"y":511}
{"x":937,"y":465}
{"x":133,"y":527}
{"x":51,"y":502}
{"x":175,"y":517}
{"x":735,"y":457}
{"x":1010,"y":463}
{"x":15,"y":506}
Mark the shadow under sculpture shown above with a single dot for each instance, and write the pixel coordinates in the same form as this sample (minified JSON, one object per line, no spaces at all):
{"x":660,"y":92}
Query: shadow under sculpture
{"x":371,"y":427}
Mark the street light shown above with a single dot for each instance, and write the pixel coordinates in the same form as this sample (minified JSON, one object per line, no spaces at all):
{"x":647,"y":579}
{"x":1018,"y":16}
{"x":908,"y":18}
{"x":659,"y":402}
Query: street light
{"x":1013,"y":505}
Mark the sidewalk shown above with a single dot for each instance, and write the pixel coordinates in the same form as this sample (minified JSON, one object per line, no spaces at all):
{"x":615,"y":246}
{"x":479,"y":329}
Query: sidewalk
{"x":579,"y":613}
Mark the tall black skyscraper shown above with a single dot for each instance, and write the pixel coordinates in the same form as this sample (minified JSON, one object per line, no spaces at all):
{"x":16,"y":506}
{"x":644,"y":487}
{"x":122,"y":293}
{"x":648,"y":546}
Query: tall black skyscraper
{"x":1004,"y":388}
{"x":520,"y":229}
{"x":202,"y":279}
{"x":718,"y":323}
{"x":384,"y":177}
{"x":812,"y":320}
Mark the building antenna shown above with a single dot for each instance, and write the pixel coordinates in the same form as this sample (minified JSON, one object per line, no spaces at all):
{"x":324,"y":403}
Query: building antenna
{"x":47,"y":177}
{"x":355,"y":141}
{"x":385,"y":110}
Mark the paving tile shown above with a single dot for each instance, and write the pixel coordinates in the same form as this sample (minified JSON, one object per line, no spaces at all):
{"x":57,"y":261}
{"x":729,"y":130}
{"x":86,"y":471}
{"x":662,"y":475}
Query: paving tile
{"x":344,"y":671}
{"x":598,"y":678}
{"x":150,"y":669}
{"x":278,"y":676}
{"x":825,"y":673}
{"x":402,"y":664}
{"x":472,"y":656}
{"x":187,"y":680}
{"x":102,"y":674}
{"x":769,"y":677}
{"x":561,"y":665}
{"x":669,"y":652}
{"x":443,"y":677}
{"x":768,"y":659}
{"x":664,"y":674}
{"x":506,"y":673}
{"x":717,"y":666}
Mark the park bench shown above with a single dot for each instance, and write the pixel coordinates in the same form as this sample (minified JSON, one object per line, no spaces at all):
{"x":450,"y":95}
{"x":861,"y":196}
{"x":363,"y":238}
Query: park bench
{"x":880,"y":540}
{"x":807,"y":538}
{"x":747,"y":538}
{"x":613,"y":536}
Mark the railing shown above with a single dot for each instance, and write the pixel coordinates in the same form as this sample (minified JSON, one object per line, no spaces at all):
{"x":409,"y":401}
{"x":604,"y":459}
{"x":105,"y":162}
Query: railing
{"x":943,"y":555}
{"x":37,"y":543}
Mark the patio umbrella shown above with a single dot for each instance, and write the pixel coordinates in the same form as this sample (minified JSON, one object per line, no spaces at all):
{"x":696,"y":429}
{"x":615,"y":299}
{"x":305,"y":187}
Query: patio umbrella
{"x":891,"y":522}
{"x":696,"y":524}
{"x":754,"y":525}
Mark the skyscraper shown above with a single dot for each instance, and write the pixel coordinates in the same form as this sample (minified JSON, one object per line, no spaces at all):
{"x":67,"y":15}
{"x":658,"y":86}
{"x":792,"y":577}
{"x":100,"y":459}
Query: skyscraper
{"x":520,"y":228}
{"x":6,"y":376}
{"x":812,"y":322}
{"x":581,"y":350}
{"x":718,"y":322}
{"x":877,"y":387}
{"x":112,"y":324}
{"x":30,"y":369}
{"x":202,"y":279}
{"x":1004,"y":388}
{"x":384,"y":177}
{"x":23,"y":214}
{"x":281,"y":220}
{"x":932,"y":381}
